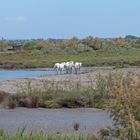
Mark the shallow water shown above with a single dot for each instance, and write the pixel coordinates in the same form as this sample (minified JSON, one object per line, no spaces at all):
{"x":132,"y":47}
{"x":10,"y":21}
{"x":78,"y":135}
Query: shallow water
{"x":16,"y":74}
{"x":32,"y":73}
{"x":53,"y":120}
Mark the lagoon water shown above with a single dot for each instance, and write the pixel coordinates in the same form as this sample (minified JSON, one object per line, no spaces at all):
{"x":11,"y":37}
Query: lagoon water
{"x":53,"y":120}
{"x":16,"y":74}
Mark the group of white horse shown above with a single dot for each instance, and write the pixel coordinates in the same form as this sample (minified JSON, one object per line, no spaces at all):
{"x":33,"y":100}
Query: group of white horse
{"x":68,"y":67}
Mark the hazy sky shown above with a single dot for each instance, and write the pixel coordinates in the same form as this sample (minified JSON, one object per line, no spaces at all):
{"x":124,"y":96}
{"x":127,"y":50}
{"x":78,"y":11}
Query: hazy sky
{"x":22,"y":19}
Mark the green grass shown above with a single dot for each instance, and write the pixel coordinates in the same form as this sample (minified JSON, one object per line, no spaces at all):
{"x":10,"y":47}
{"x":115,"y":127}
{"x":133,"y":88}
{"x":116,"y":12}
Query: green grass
{"x":99,"y":58}
{"x":42,"y":136}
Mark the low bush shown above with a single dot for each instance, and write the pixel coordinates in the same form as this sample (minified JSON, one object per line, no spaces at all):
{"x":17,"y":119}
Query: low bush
{"x":52,"y":104}
{"x":30,"y":46}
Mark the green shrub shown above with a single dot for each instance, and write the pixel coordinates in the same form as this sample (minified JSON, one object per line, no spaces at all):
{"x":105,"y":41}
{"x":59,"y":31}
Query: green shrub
{"x":85,"y":49}
{"x":52,"y":104}
{"x":30,"y":46}
{"x":70,"y":50}
{"x":51,"y":51}
{"x":36,"y":52}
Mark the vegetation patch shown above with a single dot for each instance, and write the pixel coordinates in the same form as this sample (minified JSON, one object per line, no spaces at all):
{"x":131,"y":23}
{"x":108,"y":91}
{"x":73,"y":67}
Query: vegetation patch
{"x":115,"y":92}
{"x":119,"y":52}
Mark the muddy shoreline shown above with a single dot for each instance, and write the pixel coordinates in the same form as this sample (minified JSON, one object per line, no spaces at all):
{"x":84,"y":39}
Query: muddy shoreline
{"x":89,"y":77}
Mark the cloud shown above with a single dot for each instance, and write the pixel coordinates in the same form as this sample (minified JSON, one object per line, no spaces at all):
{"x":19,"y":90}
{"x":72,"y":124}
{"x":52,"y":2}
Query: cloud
{"x":18,"y":19}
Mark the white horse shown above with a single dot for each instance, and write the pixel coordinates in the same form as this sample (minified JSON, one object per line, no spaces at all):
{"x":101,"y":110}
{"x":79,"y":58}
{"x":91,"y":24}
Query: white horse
{"x":69,"y":66}
{"x":77,"y":67}
{"x":59,"y":67}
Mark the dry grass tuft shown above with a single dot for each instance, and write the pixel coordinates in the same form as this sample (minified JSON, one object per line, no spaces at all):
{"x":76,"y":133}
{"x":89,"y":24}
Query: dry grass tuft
{"x":31,"y":102}
{"x":8,"y":102}
{"x":76,"y":126}
{"x":125,"y":105}
{"x":2,"y":95}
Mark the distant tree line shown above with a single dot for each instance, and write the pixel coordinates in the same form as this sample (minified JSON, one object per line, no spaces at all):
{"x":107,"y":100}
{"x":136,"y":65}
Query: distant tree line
{"x":75,"y":45}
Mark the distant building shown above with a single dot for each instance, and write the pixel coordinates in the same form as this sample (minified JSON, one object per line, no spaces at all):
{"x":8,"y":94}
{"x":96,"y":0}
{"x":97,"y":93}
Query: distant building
{"x":15,"y":47}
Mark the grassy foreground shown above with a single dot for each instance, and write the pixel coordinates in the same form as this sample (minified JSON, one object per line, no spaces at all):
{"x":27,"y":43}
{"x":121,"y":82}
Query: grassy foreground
{"x":42,"y":136}
{"x":102,"y":134}
{"x":98,"y":58}
{"x":115,"y":92}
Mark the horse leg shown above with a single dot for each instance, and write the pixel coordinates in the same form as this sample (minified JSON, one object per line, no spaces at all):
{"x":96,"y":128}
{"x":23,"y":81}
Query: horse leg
{"x":57,"y":71}
{"x":70,"y":70}
{"x":60,"y":71}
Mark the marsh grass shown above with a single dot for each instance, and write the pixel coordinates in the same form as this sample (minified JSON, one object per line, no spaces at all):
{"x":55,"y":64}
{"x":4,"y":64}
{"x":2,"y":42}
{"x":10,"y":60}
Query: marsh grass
{"x":63,"y":94}
{"x":66,"y":94}
{"x":54,"y":95}
{"x":98,"y":58}
{"x":21,"y":134}
{"x":117,"y":93}
{"x":41,"y":136}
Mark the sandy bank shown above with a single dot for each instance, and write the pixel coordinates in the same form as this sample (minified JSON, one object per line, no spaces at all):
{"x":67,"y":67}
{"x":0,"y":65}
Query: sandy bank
{"x":12,"y":86}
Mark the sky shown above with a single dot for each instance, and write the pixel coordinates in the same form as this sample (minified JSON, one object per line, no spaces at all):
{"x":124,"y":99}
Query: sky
{"x":28,"y":19}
